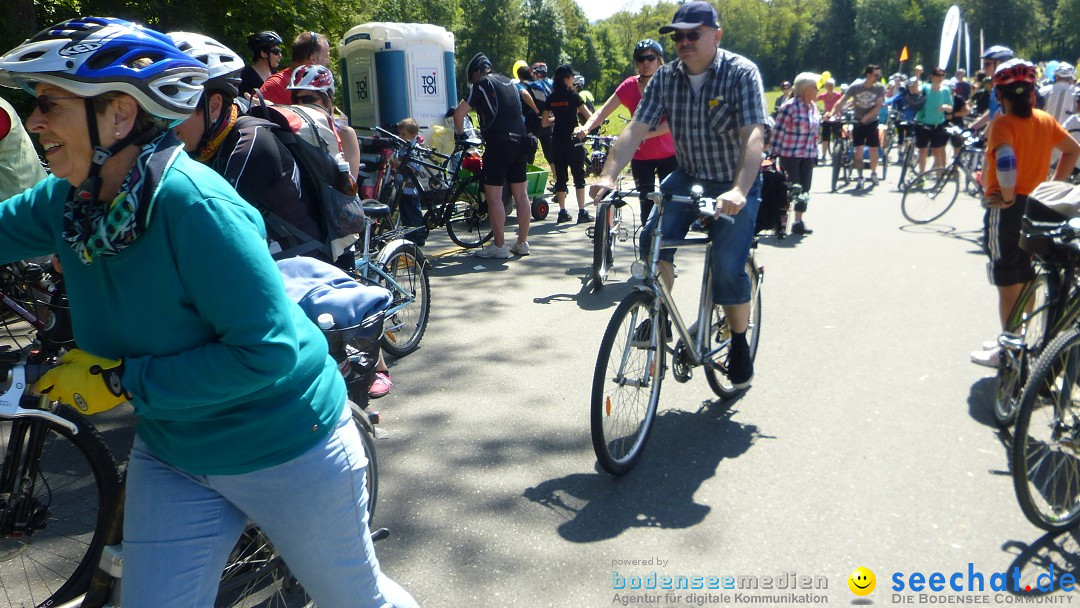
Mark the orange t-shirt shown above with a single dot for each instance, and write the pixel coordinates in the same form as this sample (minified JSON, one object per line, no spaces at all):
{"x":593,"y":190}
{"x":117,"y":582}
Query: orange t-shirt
{"x":1032,"y":139}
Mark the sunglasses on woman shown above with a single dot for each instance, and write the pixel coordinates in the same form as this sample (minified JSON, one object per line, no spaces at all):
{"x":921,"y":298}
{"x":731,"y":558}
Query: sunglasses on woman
{"x":692,"y":36}
{"x":48,"y":102}
{"x":644,"y":58}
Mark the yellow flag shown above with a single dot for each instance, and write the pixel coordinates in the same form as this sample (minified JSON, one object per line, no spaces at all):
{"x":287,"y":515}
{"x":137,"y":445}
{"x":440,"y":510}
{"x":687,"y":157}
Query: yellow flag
{"x":903,"y":54}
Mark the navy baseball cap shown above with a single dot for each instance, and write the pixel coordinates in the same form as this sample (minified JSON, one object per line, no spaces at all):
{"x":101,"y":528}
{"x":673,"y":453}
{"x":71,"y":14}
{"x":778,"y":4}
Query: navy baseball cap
{"x":692,"y":15}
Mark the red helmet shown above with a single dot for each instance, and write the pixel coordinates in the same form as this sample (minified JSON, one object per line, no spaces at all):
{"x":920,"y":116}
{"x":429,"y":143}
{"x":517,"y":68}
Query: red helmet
{"x":1015,"y":71}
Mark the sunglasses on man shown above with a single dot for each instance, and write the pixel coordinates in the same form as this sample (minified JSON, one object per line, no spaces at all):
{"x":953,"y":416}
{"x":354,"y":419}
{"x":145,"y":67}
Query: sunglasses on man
{"x":692,"y":36}
{"x":275,"y":51}
{"x":309,"y":99}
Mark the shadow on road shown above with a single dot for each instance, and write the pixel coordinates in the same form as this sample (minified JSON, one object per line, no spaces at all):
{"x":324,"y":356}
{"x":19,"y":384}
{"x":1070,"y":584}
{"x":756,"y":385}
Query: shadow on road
{"x":981,"y":401}
{"x":1041,"y":564}
{"x":684,"y":450}
{"x":975,"y":237}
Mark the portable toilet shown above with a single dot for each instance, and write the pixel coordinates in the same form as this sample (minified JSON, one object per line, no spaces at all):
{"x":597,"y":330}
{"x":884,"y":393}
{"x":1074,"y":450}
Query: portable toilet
{"x":392,"y":71}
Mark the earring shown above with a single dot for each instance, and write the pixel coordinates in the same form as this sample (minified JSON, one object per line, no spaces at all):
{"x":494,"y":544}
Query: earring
{"x":118,"y":134}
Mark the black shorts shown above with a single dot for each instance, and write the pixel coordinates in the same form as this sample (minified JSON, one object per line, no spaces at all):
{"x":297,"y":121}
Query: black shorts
{"x":930,"y":135}
{"x":865,"y":134}
{"x":829,"y":129}
{"x":1009,"y":265}
{"x":504,"y":162}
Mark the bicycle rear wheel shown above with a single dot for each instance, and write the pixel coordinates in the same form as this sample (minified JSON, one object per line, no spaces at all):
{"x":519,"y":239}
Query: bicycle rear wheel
{"x":930,"y":195}
{"x":468,"y":224}
{"x":75,"y":490}
{"x":602,"y":254}
{"x":1046,"y":444}
{"x":626,"y":383}
{"x":405,"y":327}
{"x":837,"y":162}
{"x":1030,"y":323}
{"x":720,"y":336}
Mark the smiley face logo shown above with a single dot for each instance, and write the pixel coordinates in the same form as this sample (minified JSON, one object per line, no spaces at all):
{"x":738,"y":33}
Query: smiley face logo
{"x":861,"y":581}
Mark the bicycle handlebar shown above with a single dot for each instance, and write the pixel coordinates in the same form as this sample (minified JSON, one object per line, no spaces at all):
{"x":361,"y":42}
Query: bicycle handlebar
{"x":706,"y":206}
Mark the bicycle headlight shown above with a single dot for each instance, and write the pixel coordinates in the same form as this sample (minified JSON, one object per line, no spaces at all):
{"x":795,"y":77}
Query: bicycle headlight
{"x":637,"y":269}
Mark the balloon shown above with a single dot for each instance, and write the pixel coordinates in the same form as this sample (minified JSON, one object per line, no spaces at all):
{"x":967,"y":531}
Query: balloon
{"x":824,"y":76}
{"x":1051,"y":67}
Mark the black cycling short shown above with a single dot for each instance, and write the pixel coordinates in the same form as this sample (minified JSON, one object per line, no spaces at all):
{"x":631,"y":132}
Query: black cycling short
{"x":865,"y":134}
{"x":930,"y":135}
{"x":1009,"y":265}
{"x":504,"y":162}
{"x":828,"y":129}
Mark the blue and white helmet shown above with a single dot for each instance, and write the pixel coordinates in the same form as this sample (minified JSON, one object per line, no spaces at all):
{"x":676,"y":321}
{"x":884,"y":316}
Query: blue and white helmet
{"x":90,"y":56}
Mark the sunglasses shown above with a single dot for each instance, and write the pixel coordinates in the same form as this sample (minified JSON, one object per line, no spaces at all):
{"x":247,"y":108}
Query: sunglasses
{"x":308,"y":99}
{"x":691,"y":36}
{"x":48,"y":102}
{"x":644,"y":58}
{"x":275,"y":51}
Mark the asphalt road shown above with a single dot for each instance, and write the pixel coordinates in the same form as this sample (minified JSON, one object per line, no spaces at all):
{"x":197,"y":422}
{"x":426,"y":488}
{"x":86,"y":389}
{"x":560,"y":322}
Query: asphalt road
{"x":867,"y":438}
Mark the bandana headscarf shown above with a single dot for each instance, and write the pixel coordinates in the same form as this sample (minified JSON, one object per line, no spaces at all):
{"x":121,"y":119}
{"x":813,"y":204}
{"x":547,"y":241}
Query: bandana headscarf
{"x":93,"y":228}
{"x":213,"y":141}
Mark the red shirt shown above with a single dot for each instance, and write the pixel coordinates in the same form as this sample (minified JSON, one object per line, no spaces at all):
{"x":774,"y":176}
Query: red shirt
{"x":274,"y":89}
{"x":654,"y":148}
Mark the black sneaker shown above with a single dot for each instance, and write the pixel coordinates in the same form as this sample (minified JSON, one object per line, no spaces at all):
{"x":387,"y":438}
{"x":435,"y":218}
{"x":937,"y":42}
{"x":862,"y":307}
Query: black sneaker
{"x":583,"y":217}
{"x":643,"y":334}
{"x":800,"y":228}
{"x":739,"y":365}
{"x":563,"y":217}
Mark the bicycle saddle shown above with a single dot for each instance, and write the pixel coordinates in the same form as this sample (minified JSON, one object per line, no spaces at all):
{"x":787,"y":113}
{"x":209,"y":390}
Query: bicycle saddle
{"x":373,"y":208}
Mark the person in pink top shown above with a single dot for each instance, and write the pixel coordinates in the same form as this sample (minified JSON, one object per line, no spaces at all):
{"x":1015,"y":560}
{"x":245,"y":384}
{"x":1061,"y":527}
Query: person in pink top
{"x":655,"y":157}
{"x":828,"y":99}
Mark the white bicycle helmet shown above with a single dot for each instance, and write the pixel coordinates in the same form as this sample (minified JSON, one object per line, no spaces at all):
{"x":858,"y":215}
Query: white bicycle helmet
{"x":90,"y":56}
{"x":222,"y":64}
{"x":312,"y":78}
{"x":1065,"y":70}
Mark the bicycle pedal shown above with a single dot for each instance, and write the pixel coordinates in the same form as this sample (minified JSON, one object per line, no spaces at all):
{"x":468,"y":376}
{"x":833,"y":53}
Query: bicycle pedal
{"x":589,"y":231}
{"x":624,"y":234}
{"x":380,"y":534}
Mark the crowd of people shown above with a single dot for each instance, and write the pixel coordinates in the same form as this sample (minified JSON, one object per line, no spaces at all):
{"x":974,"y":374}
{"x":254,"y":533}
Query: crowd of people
{"x":158,"y":173}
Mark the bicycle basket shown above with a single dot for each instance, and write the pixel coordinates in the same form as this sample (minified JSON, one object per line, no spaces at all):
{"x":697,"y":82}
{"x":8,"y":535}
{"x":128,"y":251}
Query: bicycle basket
{"x":356,"y":351}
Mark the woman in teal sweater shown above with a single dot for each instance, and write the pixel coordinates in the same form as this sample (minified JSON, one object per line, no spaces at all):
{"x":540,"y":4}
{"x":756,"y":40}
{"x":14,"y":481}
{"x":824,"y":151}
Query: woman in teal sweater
{"x":930,"y":120}
{"x":178,"y":308}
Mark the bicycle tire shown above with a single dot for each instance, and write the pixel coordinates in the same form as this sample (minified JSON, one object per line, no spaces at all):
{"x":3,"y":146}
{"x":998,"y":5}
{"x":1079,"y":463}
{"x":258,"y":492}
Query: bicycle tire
{"x":601,"y":260}
{"x":78,"y":484}
{"x":1039,"y":470}
{"x":930,"y":195}
{"x":907,"y":166}
{"x":1033,"y":331}
{"x":883,"y":160}
{"x":467,"y":221}
{"x":406,"y":264}
{"x":619,"y":421}
{"x":716,"y":372}
{"x":837,"y":163}
{"x":371,"y":475}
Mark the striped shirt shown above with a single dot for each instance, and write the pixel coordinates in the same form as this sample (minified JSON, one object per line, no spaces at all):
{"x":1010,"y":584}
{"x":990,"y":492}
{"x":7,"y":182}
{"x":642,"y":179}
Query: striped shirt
{"x":796,"y":130}
{"x":705,"y":126}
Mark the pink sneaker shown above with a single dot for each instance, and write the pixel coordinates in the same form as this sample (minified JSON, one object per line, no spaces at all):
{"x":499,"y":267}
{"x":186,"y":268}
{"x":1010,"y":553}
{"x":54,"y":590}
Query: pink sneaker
{"x":381,"y":385}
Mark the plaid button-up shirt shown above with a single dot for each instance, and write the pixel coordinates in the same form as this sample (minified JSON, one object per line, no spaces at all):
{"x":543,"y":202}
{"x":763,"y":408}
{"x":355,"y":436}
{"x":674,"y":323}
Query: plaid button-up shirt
{"x":796,"y":130}
{"x":705,"y":126}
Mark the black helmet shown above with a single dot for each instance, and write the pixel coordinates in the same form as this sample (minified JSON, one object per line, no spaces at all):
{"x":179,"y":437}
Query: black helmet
{"x":478,"y":62}
{"x":998,"y":53}
{"x":648,"y":44}
{"x":263,"y":40}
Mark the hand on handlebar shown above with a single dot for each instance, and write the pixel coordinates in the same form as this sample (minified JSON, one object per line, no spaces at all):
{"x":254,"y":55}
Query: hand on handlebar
{"x":600,"y":190}
{"x":729,"y":203}
{"x":580,"y":132}
{"x":88,"y":382}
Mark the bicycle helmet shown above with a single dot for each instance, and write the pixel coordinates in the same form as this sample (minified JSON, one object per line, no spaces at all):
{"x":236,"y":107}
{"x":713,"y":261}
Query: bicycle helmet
{"x":263,"y":40}
{"x":477,"y":63}
{"x":90,"y":56}
{"x":649,"y":44}
{"x":1015,"y":72}
{"x":1065,"y":70}
{"x":579,"y":80}
{"x":998,"y":53}
{"x":223,"y":66}
{"x":312,"y":78}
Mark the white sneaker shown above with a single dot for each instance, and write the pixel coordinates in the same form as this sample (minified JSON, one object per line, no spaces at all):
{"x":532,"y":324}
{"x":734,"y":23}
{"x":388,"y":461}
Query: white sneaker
{"x":987,"y":358}
{"x":873,"y":179}
{"x":859,"y":184}
{"x":520,"y":248}
{"x":990,"y":345}
{"x":491,"y":250}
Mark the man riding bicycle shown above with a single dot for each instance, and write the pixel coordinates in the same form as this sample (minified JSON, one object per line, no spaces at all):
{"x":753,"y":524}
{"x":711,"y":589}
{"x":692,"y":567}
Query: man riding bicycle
{"x":714,"y":103}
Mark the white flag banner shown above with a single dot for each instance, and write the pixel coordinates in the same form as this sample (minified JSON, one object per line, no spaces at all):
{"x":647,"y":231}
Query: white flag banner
{"x":948,"y":34}
{"x":967,"y":49}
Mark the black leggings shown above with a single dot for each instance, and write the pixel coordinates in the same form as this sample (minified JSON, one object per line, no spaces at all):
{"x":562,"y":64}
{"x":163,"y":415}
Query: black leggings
{"x":566,"y":155}
{"x":646,"y":173}
{"x":799,"y":171}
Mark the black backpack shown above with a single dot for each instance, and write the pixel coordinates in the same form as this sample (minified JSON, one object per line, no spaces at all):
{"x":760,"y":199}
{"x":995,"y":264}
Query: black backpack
{"x":330,"y":186}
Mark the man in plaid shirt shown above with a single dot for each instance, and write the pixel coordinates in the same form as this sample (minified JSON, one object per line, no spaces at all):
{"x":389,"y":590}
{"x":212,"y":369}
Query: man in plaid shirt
{"x":715,"y":105}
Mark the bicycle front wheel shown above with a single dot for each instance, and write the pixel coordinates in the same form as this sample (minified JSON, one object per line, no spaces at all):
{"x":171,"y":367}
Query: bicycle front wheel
{"x":626,"y":382}
{"x":601,"y":261}
{"x":468,"y":224}
{"x":407,"y":321}
{"x":720,"y":337}
{"x":1030,"y":323}
{"x":75,"y":489}
{"x":837,"y":162}
{"x":930,"y":195}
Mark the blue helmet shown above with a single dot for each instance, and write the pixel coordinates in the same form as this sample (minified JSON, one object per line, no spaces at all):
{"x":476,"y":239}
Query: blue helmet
{"x":998,"y":53}
{"x":649,"y":44}
{"x":90,"y":56}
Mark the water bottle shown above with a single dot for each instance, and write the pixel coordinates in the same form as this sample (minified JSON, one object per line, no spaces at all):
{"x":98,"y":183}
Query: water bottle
{"x":344,"y":182}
